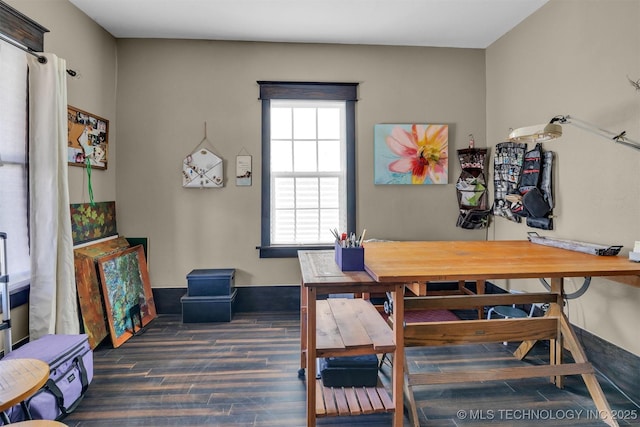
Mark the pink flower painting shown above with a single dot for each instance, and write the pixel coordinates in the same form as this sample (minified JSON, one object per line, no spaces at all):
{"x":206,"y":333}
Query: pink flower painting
{"x":411,"y":154}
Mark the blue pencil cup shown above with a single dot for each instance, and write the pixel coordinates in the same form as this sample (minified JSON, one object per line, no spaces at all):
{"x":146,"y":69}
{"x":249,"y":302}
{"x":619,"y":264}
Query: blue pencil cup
{"x":349,"y":259}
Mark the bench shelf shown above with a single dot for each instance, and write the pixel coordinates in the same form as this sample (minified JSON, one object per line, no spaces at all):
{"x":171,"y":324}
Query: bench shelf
{"x":351,"y":327}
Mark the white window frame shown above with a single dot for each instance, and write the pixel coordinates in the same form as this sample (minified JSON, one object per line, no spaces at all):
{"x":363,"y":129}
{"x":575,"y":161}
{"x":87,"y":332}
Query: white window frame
{"x":271,"y":91}
{"x":324,"y":236}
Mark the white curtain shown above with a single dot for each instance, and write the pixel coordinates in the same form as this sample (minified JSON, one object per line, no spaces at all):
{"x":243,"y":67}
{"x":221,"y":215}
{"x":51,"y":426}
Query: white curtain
{"x":52,"y":300}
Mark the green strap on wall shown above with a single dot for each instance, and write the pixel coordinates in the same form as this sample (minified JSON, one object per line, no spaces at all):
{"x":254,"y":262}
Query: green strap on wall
{"x":89,"y":187}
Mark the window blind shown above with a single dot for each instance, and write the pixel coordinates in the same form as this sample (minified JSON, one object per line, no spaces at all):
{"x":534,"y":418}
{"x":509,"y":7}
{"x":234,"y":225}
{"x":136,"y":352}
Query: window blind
{"x":308,"y":173}
{"x":13,"y":162}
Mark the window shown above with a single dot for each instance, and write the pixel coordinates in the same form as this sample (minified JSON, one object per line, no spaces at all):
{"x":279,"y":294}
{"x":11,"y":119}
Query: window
{"x":13,"y":162}
{"x":308,"y":165}
{"x":308,"y":189}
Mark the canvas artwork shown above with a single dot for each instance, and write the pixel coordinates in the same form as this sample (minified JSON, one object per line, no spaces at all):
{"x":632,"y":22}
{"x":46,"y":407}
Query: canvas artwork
{"x":412,"y":154}
{"x":92,"y":221}
{"x":125,"y":284}
{"x":90,"y":301}
{"x":94,"y":320}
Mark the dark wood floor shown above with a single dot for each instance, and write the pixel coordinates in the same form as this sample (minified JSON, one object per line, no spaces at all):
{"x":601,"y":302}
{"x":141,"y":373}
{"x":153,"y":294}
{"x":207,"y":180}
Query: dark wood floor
{"x":244,"y":373}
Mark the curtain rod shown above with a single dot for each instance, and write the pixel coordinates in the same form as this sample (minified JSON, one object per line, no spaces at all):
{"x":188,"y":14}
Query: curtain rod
{"x":41,"y":59}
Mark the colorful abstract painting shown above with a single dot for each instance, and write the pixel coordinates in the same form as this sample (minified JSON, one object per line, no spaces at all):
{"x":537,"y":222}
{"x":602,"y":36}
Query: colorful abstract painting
{"x":125,"y":286}
{"x":90,"y":301}
{"x":92,"y":222}
{"x":94,"y":320}
{"x":411,"y":154}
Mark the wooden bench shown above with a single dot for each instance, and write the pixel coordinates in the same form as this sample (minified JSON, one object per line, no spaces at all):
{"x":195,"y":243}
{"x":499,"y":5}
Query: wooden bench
{"x":553,"y":327}
{"x":421,"y":289}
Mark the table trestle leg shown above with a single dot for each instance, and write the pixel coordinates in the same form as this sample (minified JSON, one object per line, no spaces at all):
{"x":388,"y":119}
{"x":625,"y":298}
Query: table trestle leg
{"x":598,"y":396}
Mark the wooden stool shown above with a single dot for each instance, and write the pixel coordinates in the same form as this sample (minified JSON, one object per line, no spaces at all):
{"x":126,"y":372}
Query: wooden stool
{"x":19,"y":379}
{"x":38,"y":423}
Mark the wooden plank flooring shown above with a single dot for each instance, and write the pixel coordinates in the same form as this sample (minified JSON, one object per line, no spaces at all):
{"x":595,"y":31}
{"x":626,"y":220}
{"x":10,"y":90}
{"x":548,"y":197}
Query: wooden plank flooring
{"x":244,"y":373}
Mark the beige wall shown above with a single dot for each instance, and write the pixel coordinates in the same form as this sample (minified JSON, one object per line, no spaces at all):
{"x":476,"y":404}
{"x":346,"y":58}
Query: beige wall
{"x":168,"y":89}
{"x":573,"y":57}
{"x":91,"y":51}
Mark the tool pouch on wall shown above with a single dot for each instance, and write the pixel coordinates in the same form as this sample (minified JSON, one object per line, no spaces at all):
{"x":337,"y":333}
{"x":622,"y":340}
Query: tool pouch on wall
{"x":542,"y":223}
{"x":531,"y":170}
{"x":522,"y":184}
{"x":535,"y":188}
{"x":535,"y":204}
{"x":507,"y":165}
{"x":545,"y":182}
{"x":473,"y":219}
{"x":471,"y":188}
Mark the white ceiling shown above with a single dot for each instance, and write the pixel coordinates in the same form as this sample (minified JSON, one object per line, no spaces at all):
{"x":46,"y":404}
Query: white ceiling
{"x":440,"y":23}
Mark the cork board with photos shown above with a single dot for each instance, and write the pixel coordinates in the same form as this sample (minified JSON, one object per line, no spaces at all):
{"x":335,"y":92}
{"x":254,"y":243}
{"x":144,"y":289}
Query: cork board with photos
{"x":88,"y":139}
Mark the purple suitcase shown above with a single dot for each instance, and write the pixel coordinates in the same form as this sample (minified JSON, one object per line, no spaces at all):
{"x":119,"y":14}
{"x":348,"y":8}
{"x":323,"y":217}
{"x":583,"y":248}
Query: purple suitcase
{"x":70,"y":362}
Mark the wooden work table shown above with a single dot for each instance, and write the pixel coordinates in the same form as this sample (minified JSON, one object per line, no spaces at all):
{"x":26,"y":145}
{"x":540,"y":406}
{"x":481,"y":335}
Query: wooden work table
{"x":473,"y":260}
{"x":393,"y":262}
{"x":390,"y":265}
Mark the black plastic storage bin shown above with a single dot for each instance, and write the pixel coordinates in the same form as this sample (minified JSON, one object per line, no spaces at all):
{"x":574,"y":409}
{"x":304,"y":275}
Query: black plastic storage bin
{"x":205,"y":309}
{"x":211,"y":282}
{"x":352,"y":371}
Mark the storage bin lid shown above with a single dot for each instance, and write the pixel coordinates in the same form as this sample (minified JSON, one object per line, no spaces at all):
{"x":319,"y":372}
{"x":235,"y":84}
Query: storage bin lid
{"x":364,"y":361}
{"x":186,"y":298}
{"x":211,"y":272}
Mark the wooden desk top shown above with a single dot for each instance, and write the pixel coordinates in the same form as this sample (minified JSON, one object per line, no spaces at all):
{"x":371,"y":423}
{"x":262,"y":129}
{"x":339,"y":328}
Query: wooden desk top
{"x":319,"y":268}
{"x":19,"y":379}
{"x":473,"y":260}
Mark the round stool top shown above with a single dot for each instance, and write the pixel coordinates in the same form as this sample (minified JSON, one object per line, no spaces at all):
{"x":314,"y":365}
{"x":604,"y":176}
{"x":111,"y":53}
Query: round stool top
{"x":19,"y":379}
{"x":38,"y":423}
{"x":508,"y":311}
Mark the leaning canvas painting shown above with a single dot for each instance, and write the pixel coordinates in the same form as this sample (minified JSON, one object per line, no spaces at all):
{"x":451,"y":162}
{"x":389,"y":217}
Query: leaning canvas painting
{"x":126,"y":287}
{"x":411,"y":154}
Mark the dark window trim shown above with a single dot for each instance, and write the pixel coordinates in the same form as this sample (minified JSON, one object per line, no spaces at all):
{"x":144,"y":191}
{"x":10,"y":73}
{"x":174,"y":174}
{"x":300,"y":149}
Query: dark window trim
{"x":308,"y":90}
{"x":313,"y":91}
{"x":20,"y":28}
